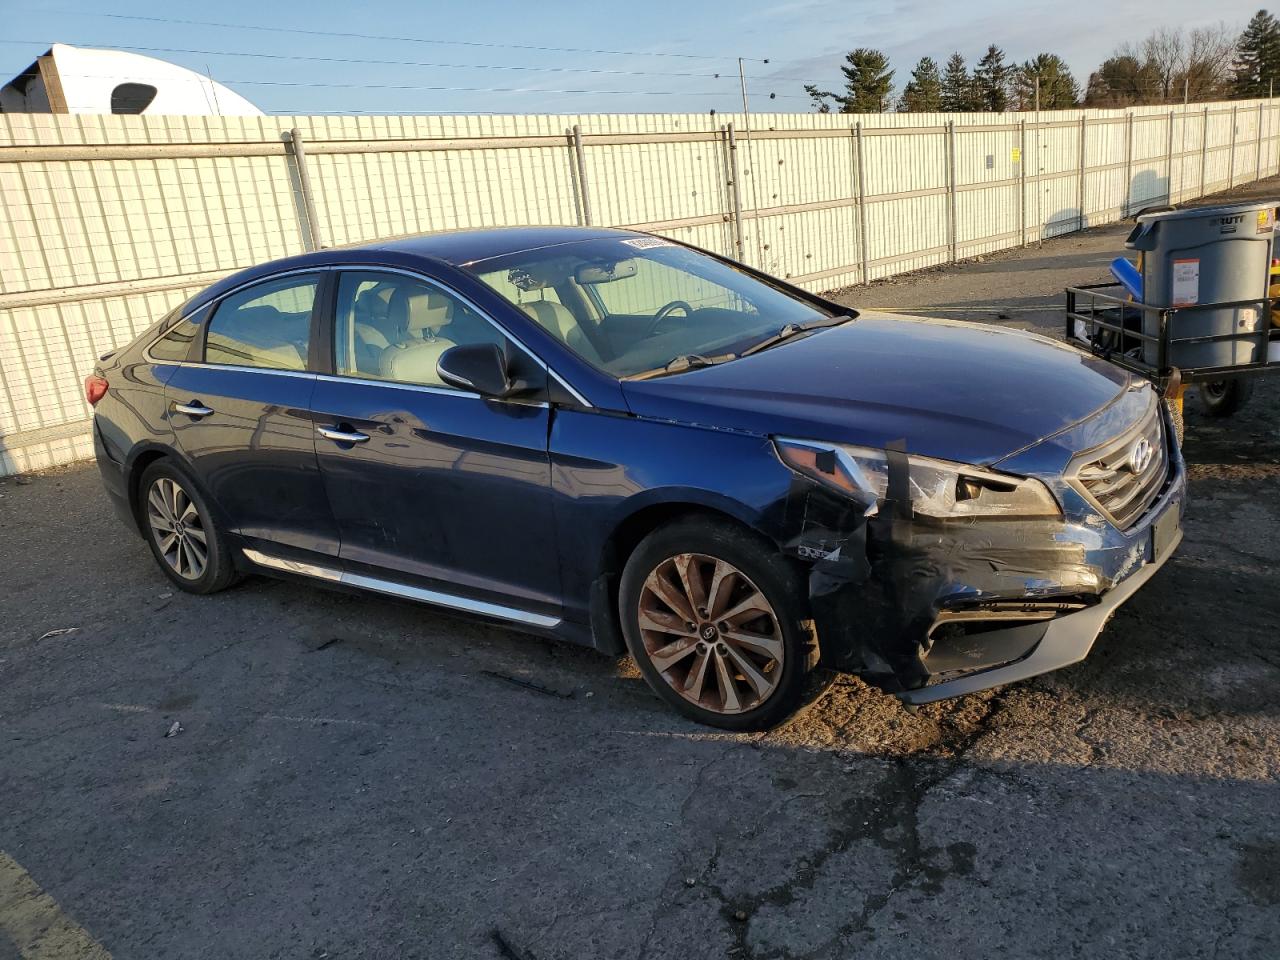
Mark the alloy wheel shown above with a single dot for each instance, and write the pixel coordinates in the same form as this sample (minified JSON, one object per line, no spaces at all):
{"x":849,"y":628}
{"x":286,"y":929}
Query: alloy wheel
{"x":178,"y":529}
{"x":710,"y":633}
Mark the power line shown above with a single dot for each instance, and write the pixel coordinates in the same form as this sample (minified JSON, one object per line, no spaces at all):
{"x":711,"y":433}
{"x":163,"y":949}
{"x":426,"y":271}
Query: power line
{"x":398,"y":63}
{"x":426,"y":87}
{"x":371,"y":36}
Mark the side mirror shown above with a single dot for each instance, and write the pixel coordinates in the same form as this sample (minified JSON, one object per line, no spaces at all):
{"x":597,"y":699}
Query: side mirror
{"x":479,"y":367}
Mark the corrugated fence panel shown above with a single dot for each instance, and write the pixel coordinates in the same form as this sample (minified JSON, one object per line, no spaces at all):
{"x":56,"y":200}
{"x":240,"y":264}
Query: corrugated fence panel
{"x":107,"y":222}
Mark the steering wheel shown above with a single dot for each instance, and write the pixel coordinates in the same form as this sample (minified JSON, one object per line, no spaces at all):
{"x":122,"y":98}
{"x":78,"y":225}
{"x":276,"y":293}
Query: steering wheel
{"x":665,"y":312}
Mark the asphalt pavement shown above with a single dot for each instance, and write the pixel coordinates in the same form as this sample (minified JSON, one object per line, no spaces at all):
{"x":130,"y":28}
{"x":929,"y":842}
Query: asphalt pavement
{"x":354,"y":777}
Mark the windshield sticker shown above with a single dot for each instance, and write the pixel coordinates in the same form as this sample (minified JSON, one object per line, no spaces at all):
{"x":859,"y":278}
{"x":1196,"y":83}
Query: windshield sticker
{"x":647,"y":243}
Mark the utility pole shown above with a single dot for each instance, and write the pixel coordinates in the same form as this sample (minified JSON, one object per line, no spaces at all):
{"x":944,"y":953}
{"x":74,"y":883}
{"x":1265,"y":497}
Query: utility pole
{"x":1039,"y":173}
{"x":751,"y":162}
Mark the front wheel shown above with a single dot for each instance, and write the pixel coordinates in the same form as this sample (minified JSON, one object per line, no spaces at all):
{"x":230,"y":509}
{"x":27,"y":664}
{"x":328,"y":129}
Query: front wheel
{"x":1222,"y":398}
{"x":714,"y":618}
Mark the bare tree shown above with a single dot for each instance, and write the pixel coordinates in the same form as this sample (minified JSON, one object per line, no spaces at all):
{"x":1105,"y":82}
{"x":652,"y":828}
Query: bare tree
{"x":1164,"y":67}
{"x":1164,"y":53}
{"x":1207,"y":68}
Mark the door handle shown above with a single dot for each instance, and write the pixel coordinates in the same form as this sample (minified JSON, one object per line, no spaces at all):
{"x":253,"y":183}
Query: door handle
{"x":193,"y":409}
{"x":342,"y":436}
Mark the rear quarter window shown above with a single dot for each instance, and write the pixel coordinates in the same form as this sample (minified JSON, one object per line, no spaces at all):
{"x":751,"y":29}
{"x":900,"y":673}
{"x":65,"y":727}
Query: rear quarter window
{"x":175,"y":346}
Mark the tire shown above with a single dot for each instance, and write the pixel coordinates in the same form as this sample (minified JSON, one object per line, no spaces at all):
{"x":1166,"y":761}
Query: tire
{"x":1177,"y":418}
{"x":749,"y":671}
{"x":175,"y":517}
{"x":1222,"y":398}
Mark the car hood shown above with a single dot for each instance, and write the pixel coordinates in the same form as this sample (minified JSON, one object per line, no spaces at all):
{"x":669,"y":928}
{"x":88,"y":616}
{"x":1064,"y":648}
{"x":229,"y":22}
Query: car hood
{"x":958,"y":391}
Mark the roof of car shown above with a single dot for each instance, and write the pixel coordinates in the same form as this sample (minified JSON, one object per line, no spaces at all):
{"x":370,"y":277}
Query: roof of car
{"x":458,"y":248}
{"x":462,"y":247}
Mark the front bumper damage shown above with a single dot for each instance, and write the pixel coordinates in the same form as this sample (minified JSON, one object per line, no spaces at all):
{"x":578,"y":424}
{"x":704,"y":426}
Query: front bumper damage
{"x":929,"y":610}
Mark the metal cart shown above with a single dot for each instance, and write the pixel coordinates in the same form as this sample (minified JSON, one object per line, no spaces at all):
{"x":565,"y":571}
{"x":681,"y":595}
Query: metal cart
{"x":1104,"y":320}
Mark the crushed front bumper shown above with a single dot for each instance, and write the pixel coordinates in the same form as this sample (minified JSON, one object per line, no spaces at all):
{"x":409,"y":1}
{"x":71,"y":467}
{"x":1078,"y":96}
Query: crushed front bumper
{"x":1054,"y":643}
{"x":930,"y":610}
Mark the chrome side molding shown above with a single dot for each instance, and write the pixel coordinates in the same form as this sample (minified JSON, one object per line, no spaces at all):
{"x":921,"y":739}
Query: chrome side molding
{"x":393,"y":589}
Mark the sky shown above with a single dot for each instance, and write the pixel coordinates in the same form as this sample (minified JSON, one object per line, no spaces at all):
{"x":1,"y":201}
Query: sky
{"x":641,"y":56}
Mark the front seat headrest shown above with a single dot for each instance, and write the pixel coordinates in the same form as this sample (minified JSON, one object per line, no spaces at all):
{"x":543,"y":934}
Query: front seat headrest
{"x":417,"y":311}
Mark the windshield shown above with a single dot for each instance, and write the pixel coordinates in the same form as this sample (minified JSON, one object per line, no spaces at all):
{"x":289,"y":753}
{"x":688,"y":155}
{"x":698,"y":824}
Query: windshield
{"x":637,"y":305}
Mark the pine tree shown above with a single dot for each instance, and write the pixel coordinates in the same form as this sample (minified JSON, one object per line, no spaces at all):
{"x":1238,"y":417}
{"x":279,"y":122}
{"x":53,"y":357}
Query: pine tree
{"x":868,"y":83}
{"x":1058,"y":90}
{"x":991,"y":78}
{"x":923,"y":93}
{"x":1257,"y":60}
{"x":957,"y":87}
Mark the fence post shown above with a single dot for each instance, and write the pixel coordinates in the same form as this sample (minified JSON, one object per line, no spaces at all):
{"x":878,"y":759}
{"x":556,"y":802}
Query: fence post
{"x":580,"y":160}
{"x":1022,"y":181}
{"x":1204,"y":146}
{"x":1128,"y":165}
{"x":1271,"y":123}
{"x":1231,"y":163}
{"x":299,"y":154}
{"x":862,"y":205}
{"x":951,"y":188}
{"x":739,"y":240}
{"x":1168,"y":162}
{"x":1257,"y":164}
{"x":1084,"y":170}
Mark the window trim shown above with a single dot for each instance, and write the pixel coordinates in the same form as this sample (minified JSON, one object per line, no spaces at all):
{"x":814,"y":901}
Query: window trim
{"x":323,"y":322}
{"x":197,"y":355}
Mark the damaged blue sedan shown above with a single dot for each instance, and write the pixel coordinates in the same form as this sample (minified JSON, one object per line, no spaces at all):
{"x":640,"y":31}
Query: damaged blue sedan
{"x":625,"y":442}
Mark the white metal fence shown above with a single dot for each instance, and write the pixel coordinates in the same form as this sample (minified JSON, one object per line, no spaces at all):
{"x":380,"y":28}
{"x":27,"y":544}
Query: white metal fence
{"x":106,"y":222}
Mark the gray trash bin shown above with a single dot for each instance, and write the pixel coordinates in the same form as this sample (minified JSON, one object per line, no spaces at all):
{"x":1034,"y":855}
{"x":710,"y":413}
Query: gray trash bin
{"x":1206,"y":255}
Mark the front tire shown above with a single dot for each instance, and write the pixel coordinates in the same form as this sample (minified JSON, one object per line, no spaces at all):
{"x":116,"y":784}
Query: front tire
{"x":179,"y":528}
{"x":715,"y":619}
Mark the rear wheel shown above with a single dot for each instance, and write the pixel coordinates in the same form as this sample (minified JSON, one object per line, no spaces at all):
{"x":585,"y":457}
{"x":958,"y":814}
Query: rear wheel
{"x":180,"y":531}
{"x":715,"y":620}
{"x":1222,"y":398}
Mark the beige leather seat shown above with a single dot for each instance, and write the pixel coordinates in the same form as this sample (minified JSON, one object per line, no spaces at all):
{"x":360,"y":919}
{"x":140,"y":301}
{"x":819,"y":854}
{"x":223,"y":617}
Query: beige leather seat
{"x":417,"y":316}
{"x":372,"y":329}
{"x":556,"y":319}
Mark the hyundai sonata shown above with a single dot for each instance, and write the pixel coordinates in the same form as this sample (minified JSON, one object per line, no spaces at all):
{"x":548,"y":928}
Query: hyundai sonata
{"x":623,"y":441}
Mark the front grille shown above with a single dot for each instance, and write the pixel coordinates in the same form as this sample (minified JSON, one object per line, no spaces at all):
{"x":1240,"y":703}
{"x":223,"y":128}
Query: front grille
{"x":1119,"y":487}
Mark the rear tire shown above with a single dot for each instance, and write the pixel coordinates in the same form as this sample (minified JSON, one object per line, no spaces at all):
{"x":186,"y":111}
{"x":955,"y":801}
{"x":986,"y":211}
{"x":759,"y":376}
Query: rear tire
{"x":1222,"y":398}
{"x":717,"y":622}
{"x":179,"y":528}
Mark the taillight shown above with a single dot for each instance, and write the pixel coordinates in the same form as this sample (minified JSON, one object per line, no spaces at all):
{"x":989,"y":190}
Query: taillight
{"x":95,"y":388}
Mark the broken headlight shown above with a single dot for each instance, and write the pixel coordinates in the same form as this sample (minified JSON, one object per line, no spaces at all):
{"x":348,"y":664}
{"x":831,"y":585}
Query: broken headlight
{"x":936,"y":488}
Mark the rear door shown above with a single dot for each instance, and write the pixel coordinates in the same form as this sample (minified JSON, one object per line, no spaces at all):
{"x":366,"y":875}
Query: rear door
{"x":430,"y":484}
{"x":241,"y":414}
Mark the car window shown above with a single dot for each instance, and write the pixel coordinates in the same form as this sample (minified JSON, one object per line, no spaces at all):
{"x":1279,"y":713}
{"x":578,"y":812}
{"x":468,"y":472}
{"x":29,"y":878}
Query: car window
{"x":176,"y":344}
{"x":633,"y":305}
{"x":392,"y":327}
{"x":655,"y":284}
{"x":267,"y":325}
